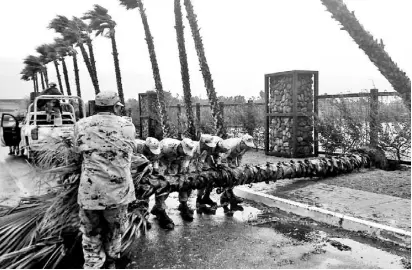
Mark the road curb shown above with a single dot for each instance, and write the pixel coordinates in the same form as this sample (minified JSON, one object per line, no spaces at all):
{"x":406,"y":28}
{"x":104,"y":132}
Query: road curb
{"x":382,"y":232}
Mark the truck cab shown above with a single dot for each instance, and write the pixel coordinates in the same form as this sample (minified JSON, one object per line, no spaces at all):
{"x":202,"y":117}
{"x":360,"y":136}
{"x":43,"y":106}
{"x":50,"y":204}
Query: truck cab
{"x":37,"y":128}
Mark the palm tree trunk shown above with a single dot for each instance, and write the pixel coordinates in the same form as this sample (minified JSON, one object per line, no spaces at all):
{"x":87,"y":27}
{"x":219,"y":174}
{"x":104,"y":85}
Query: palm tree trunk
{"x":66,"y":77}
{"x":207,"y":76}
{"x":34,"y":84}
{"x":161,"y":106}
{"x":76,"y":75}
{"x":117,"y":67}
{"x":46,"y":76}
{"x":92,"y":60}
{"x":89,"y":68}
{"x":37,"y":82}
{"x":372,"y":48}
{"x":42,"y":80}
{"x":184,"y":70}
{"x":56,"y":65}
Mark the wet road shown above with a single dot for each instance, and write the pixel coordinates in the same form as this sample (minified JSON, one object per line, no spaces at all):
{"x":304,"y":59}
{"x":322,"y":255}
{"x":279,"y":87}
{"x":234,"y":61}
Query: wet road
{"x":15,"y":177}
{"x":258,"y":237}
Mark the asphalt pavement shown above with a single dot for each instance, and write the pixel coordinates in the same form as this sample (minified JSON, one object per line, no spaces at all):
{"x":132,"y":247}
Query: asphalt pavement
{"x":258,"y":237}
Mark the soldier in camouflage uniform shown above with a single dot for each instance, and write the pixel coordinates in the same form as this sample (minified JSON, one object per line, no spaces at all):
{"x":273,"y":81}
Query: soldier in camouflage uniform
{"x":175,"y":155}
{"x":237,"y":147}
{"x":208,"y":154}
{"x":105,"y":141}
{"x":150,"y":148}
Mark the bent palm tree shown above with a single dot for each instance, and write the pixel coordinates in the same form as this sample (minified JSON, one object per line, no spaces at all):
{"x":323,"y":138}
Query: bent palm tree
{"x":63,"y":50}
{"x":34,"y":62}
{"x":161,"y":106}
{"x":71,"y":39}
{"x":207,"y":76}
{"x":83,"y":32}
{"x":28,"y":74}
{"x":372,"y":48}
{"x":44,"y":60}
{"x":72,"y":31}
{"x":184,"y":70}
{"x":103,"y":24}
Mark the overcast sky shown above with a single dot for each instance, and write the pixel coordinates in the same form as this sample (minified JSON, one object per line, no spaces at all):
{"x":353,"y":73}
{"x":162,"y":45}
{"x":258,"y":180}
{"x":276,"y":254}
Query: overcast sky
{"x":243,"y":40}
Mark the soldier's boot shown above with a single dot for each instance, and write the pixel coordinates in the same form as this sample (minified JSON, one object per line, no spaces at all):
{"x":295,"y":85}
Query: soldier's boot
{"x":185,"y":211}
{"x":207,"y":200}
{"x":225,"y":201}
{"x":202,"y":208}
{"x":234,"y":198}
{"x":165,"y":222}
{"x":234,"y":206}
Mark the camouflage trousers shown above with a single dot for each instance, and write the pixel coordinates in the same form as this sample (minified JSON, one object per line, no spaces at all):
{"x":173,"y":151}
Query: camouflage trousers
{"x":102,"y":235}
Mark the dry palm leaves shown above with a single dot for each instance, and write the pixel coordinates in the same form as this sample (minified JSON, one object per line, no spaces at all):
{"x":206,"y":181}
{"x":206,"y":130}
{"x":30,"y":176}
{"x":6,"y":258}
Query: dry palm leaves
{"x":32,"y":235}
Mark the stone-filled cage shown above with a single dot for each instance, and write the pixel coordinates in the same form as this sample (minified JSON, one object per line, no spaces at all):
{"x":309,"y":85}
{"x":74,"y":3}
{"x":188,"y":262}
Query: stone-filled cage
{"x":290,"y":107}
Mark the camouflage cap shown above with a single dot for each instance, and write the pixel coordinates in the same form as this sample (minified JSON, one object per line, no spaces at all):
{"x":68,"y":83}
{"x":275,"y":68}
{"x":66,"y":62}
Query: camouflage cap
{"x":188,"y":146}
{"x":248,"y":140}
{"x":107,"y":98}
{"x":208,"y":140}
{"x":153,"y":145}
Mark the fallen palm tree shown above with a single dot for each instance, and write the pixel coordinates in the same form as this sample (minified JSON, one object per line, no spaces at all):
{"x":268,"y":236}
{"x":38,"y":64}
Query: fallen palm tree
{"x":35,"y":234}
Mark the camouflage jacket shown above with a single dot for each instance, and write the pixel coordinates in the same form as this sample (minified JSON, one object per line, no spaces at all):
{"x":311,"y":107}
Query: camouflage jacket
{"x":169,"y":154}
{"x":208,"y":156}
{"x":235,"y":151}
{"x":106,"y":144}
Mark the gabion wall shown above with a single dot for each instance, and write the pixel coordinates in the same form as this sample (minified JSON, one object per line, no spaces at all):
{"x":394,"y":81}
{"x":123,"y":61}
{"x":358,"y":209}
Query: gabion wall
{"x":282,"y":88}
{"x":304,"y":132}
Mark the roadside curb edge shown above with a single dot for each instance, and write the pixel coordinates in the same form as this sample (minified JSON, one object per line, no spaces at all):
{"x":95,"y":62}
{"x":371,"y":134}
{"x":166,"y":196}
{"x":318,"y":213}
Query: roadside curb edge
{"x":382,"y":232}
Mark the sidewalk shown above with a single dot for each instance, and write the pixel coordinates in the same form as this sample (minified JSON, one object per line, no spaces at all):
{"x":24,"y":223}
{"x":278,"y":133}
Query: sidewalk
{"x":383,"y":216}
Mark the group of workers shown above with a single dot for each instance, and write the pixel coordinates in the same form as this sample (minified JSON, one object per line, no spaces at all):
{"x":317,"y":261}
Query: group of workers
{"x":108,"y":146}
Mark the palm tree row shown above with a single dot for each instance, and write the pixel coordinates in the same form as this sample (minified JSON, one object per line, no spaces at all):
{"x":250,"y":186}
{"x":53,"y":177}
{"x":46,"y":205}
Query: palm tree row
{"x":161,"y":107}
{"x":77,"y":33}
{"x":74,"y":33}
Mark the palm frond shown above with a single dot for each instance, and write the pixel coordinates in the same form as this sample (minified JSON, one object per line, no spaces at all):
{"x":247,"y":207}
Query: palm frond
{"x":129,"y":4}
{"x":59,"y":24}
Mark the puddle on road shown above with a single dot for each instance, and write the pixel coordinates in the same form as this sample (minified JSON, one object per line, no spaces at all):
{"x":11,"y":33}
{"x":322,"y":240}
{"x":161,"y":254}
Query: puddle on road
{"x":368,"y":255}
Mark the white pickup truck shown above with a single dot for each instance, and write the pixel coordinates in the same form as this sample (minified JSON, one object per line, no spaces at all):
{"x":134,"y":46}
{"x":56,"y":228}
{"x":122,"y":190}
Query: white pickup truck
{"x":35,"y":130}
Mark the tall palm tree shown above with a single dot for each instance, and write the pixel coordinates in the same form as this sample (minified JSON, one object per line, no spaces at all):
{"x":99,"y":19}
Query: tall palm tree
{"x":373,"y":49}
{"x":44,"y":60}
{"x":84,"y":37}
{"x":70,"y":36}
{"x":54,"y":56}
{"x":207,"y":76}
{"x":35,"y":63}
{"x":184,"y":69}
{"x":103,"y":24}
{"x":72,"y":32}
{"x":28,"y":74}
{"x":73,"y":53}
{"x":63,"y":50}
{"x":161,"y":106}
